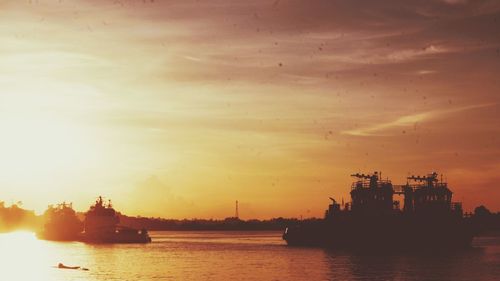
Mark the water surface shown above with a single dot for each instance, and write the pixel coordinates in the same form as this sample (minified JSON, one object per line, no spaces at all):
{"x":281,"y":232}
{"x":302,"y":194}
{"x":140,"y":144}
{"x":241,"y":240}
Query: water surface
{"x":234,"y":256}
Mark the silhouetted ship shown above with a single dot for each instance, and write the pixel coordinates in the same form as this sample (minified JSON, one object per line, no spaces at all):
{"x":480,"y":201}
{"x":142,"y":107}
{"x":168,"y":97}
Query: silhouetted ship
{"x":428,"y":219}
{"x":101,"y":226}
{"x":61,"y":223}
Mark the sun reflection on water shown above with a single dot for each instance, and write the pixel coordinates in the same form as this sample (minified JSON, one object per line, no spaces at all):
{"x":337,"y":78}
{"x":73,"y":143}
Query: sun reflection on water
{"x":24,"y":257}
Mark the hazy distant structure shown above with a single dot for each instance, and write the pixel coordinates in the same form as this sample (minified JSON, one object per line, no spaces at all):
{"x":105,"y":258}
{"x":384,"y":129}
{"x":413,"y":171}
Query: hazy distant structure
{"x":234,"y":220}
{"x":61,"y":223}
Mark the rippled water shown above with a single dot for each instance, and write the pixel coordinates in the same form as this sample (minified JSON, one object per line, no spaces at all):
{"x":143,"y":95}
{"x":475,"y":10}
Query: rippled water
{"x":233,"y":256}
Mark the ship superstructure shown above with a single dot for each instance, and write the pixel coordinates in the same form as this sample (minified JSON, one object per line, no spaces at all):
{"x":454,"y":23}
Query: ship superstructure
{"x":101,"y":218}
{"x":422,"y":196}
{"x":428,"y":196}
{"x":102,"y":226}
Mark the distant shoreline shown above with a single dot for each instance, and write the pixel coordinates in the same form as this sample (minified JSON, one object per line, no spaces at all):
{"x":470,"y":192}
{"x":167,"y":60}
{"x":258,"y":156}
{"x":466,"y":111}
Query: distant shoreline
{"x":15,"y":218}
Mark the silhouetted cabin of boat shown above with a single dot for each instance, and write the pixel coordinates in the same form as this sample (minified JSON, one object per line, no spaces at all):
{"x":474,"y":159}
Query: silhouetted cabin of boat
{"x":428,"y":196}
{"x":371,"y":196}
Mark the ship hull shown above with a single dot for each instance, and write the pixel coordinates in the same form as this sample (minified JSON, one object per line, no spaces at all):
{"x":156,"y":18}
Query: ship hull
{"x":115,"y":238}
{"x":382,"y":234}
{"x":63,"y":237}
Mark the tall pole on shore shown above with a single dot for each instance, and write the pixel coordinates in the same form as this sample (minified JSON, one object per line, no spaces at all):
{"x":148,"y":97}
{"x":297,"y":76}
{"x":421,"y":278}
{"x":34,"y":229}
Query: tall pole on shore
{"x":237,"y":215}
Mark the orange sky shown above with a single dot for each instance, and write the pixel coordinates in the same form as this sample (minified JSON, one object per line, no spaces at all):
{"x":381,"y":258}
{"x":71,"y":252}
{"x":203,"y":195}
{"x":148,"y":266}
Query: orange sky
{"x":179,"y":108}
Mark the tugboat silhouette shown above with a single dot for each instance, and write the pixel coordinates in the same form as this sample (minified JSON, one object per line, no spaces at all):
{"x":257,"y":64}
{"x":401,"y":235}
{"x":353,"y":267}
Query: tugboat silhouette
{"x":373,"y":220}
{"x":101,"y":226}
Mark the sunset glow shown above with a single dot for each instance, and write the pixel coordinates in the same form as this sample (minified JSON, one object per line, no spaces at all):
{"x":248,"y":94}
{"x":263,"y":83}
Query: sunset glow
{"x":178,"y":108}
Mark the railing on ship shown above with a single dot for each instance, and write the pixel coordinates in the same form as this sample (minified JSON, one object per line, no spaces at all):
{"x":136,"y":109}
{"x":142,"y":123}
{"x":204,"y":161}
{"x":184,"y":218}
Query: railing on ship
{"x":366,"y":184}
{"x":400,"y":188}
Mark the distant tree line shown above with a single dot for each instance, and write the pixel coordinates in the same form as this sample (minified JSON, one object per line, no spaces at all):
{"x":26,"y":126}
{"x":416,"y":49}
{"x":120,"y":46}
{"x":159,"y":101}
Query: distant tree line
{"x":206,"y":224}
{"x":485,"y":221}
{"x":16,"y":218}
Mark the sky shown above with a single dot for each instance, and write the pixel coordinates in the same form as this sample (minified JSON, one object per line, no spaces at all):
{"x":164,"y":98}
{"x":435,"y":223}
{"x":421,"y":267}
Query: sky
{"x":178,"y":108}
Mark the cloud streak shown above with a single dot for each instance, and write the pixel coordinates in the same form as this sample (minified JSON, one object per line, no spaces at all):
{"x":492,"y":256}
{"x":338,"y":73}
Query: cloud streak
{"x":411,"y":120}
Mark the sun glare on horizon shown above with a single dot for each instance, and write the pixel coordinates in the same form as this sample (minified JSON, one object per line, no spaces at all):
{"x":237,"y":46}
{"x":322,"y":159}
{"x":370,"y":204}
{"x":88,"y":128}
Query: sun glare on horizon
{"x":46,"y":144}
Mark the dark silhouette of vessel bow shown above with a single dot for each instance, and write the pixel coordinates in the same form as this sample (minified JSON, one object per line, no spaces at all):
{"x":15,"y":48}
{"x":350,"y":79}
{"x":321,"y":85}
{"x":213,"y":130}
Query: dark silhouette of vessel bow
{"x":428,"y":219}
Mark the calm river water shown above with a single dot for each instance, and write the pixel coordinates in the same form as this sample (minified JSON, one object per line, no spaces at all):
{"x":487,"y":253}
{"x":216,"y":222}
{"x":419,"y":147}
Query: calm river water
{"x":233,"y":256}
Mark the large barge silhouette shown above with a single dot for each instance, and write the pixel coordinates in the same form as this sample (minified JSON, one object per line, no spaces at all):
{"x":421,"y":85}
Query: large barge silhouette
{"x":373,"y":219}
